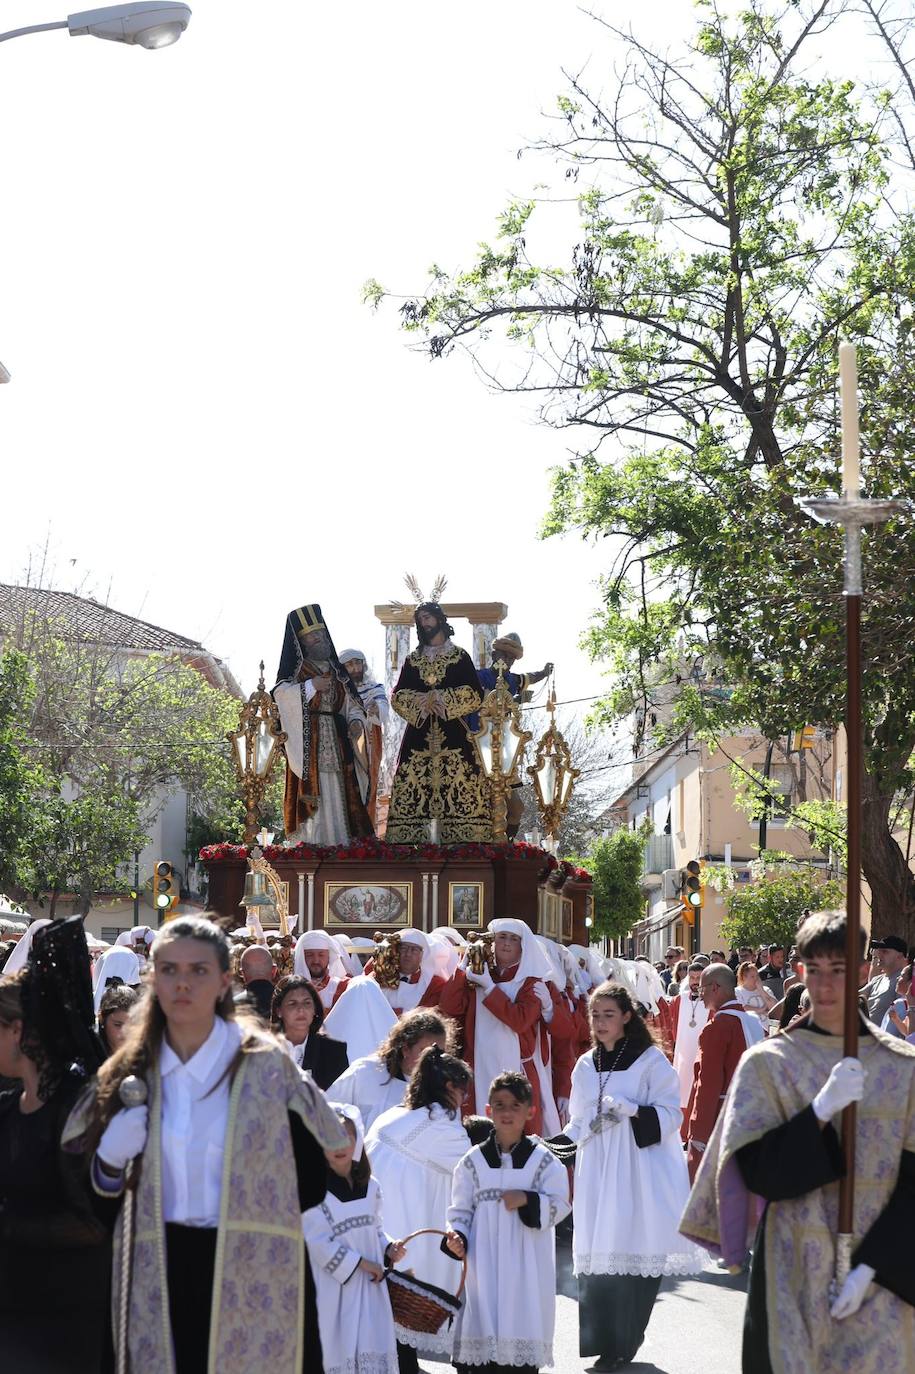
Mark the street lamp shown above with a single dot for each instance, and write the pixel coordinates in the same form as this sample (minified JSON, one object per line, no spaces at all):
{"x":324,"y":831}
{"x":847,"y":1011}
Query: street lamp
{"x":499,"y":742}
{"x":144,"y":25}
{"x":552,"y":774}
{"x":256,"y":742}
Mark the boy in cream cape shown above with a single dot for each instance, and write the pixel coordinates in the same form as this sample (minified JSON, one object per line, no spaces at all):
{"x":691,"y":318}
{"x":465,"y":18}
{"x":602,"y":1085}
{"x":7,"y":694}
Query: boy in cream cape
{"x":775,"y":1156}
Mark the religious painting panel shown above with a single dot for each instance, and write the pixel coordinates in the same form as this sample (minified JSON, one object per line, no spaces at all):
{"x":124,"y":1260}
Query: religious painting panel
{"x":466,"y":905}
{"x":552,"y":916}
{"x":368,"y":905}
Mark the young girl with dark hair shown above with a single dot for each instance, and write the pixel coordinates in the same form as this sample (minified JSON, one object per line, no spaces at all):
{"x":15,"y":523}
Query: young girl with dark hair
{"x":297,"y":1014}
{"x":222,"y":1098}
{"x":631,"y":1183}
{"x":113,"y":1013}
{"x":414,"y":1150}
{"x":348,"y":1250}
{"x":379,"y":1081}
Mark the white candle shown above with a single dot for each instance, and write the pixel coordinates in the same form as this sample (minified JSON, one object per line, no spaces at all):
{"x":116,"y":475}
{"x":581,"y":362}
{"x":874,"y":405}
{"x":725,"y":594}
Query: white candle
{"x":848,"y":385}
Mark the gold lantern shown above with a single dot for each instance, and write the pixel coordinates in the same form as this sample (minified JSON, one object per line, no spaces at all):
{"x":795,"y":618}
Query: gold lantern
{"x":499,"y":743}
{"x":552,"y":774}
{"x":257,"y":742}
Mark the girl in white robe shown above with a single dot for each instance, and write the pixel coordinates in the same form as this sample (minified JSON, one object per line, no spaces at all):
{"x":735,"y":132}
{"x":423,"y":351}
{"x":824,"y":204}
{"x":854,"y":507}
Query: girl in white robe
{"x":507,"y":1196}
{"x":414,"y":1150}
{"x":348,"y":1250}
{"x":379,"y":1081}
{"x":631,"y":1183}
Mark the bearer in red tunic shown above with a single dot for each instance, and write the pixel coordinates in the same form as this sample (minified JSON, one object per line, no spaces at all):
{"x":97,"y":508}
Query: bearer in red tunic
{"x":731,"y":1030}
{"x":500,"y":1014}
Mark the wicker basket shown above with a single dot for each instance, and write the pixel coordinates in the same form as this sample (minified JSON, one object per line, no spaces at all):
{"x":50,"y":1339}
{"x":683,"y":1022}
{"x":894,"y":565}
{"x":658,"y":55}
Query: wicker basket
{"x":420,"y":1306}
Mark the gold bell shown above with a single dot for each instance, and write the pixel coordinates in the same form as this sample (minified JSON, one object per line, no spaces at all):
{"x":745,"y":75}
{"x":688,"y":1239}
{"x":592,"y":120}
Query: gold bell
{"x":255,"y":893}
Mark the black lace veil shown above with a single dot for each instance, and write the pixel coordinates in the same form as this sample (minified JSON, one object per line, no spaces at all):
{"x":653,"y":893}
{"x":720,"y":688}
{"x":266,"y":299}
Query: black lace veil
{"x":58,"y":1016}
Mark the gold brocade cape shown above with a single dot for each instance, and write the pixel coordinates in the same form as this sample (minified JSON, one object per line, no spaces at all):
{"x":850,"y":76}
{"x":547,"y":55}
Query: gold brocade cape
{"x":775,"y":1081}
{"x":257,"y":1316}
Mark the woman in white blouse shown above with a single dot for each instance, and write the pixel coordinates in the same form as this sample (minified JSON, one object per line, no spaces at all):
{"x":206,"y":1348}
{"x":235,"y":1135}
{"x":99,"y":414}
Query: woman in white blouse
{"x":223,"y":1098}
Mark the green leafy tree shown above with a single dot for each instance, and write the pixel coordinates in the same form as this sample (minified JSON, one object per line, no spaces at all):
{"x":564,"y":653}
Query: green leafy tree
{"x":769,"y":911}
{"x":740,"y":208}
{"x":19,"y":777}
{"x":615,"y":865}
{"x":79,"y":845}
{"x":104,"y":737}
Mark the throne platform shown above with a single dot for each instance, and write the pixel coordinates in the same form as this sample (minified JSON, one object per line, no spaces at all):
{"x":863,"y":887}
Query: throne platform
{"x":371,"y":886}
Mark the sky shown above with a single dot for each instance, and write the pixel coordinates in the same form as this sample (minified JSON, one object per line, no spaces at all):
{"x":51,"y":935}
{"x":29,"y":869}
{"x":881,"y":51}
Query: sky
{"x":205,"y":424}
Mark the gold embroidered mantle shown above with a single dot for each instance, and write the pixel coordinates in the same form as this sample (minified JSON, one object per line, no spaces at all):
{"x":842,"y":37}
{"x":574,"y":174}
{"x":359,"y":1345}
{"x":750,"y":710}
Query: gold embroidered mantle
{"x":258,"y":1285}
{"x":774,"y":1082}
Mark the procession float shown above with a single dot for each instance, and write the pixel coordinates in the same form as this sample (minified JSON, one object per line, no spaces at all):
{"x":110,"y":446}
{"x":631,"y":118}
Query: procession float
{"x":402,"y":799}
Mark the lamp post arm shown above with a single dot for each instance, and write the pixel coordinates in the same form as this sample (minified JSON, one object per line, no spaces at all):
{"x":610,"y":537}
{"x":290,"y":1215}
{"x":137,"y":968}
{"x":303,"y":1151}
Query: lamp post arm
{"x":33,"y":28}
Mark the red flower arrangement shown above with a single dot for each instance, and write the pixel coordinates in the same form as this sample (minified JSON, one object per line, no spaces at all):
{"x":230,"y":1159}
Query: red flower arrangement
{"x":372,"y":850}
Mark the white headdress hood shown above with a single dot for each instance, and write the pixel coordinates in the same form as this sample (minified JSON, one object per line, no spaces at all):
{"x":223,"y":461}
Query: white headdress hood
{"x":20,"y":955}
{"x":116,"y":964}
{"x":319,"y":939}
{"x":534,"y":962}
{"x":593,"y":971}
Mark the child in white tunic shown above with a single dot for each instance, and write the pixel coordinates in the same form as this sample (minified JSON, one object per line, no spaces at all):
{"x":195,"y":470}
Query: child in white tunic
{"x":379,"y":1081}
{"x":348,"y":1250}
{"x":631,"y":1182}
{"x":413,"y":1151}
{"x":507,"y":1196}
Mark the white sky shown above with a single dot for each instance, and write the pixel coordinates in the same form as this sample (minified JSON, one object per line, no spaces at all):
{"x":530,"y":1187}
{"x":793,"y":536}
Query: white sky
{"x":204,"y":420}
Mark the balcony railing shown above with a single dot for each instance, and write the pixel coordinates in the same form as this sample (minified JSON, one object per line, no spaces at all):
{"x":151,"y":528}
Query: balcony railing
{"x":658,"y":854}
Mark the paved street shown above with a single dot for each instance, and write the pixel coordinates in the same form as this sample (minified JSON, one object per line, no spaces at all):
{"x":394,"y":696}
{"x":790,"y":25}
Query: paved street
{"x":695,"y":1327}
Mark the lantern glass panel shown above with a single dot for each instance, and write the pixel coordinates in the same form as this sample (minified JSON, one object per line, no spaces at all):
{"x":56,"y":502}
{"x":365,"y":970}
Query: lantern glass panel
{"x":547,"y":775}
{"x":241,"y":745}
{"x":484,"y":743}
{"x":510,"y":745}
{"x":263,"y":748}
{"x":565,"y":785}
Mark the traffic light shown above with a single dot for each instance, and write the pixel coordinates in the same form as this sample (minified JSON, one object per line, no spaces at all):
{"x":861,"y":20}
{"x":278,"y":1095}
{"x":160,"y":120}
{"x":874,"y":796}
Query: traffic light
{"x":805,"y":738}
{"x":165,"y":889}
{"x":691,"y":891}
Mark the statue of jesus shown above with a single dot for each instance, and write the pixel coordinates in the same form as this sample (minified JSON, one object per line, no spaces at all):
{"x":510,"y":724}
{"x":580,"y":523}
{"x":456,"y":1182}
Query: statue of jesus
{"x":439,"y":791}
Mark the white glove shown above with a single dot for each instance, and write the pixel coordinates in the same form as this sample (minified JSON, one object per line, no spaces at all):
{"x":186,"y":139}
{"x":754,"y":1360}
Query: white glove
{"x":562,"y":1107}
{"x":853,"y":1290}
{"x":124,"y":1137}
{"x":545,"y":1000}
{"x":623,"y":1107}
{"x":481,"y":980}
{"x":844,"y":1085}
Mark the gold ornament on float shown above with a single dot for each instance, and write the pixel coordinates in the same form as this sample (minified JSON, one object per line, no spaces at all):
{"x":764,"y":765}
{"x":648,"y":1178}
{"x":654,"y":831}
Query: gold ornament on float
{"x":386,"y":967}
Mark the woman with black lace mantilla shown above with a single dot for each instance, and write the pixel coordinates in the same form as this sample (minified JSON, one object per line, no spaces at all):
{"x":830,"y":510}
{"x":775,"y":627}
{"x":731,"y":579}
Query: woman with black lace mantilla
{"x":438,"y":776}
{"x":55,"y":1254}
